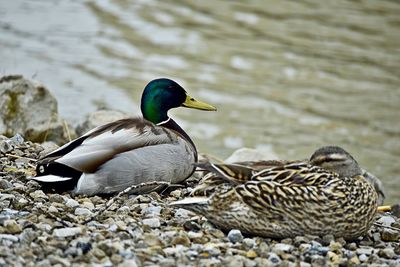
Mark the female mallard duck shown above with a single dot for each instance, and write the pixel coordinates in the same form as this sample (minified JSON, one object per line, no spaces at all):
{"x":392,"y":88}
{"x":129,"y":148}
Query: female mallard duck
{"x":126,"y":152}
{"x":326,"y":195}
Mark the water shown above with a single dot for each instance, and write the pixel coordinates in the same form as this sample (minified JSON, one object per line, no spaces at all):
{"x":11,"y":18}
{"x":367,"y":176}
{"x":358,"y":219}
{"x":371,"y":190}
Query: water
{"x":285,"y":75}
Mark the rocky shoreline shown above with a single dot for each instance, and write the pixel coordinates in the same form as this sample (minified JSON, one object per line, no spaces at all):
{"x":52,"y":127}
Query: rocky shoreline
{"x":38,"y":229}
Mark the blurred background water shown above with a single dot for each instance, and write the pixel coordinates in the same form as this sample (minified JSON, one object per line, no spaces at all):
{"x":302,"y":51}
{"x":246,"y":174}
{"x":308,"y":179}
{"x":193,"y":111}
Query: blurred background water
{"x":286,"y":76}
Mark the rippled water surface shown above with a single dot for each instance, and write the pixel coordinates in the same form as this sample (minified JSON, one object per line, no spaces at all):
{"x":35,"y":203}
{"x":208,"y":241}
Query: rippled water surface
{"x":285,"y":75}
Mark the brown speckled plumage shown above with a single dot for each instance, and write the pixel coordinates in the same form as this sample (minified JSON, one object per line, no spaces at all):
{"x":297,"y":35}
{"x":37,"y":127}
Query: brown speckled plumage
{"x":289,"y":199}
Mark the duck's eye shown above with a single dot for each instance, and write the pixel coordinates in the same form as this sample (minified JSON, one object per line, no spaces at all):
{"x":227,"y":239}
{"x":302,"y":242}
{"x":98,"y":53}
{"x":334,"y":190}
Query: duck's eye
{"x":41,"y":169}
{"x":192,"y":99}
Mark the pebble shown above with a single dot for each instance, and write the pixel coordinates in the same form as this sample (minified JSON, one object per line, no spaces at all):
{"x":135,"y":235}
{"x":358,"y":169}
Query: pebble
{"x":182,"y":213}
{"x":272,"y":257}
{"x":387,"y":253}
{"x":235,"y":235}
{"x":6,"y":146}
{"x":249,"y":243}
{"x":364,"y":250}
{"x":52,"y":209}
{"x":152,"y":211}
{"x":4,"y":184}
{"x":251,"y":254}
{"x":282,"y":248}
{"x":390,"y":235}
{"x":386,"y":220}
{"x":9,"y":237}
{"x":152,"y":222}
{"x":83,"y":212}
{"x":12,"y":227}
{"x":66,"y":232}
{"x":363,"y":258}
{"x":71,"y":203}
{"x":38,"y":195}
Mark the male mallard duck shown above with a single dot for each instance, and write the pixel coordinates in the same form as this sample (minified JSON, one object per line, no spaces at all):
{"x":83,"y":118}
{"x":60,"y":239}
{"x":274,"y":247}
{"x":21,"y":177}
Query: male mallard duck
{"x":326,"y":195}
{"x":126,"y":152}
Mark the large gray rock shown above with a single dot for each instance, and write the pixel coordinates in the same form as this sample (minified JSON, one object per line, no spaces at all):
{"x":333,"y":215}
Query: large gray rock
{"x":28,"y":108}
{"x":99,"y":118}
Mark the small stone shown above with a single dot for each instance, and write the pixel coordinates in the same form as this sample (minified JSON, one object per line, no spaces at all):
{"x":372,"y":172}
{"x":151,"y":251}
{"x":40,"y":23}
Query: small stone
{"x":304,"y":247}
{"x":327,"y":239}
{"x":17,"y":139}
{"x":66,"y":232}
{"x":88,"y":205}
{"x":71,"y":203}
{"x":363,"y":258}
{"x":182,"y":213}
{"x":5,"y":146}
{"x":58,"y":260}
{"x":83,"y":212}
{"x":354,"y":261}
{"x":351,"y":246}
{"x":234,"y":261}
{"x":38,"y":195}
{"x":121,"y":225}
{"x":56,"y":198}
{"x":300,"y":240}
{"x":376,"y":237}
{"x":191,"y":226}
{"x":333,"y":257}
{"x":11,"y":238}
{"x":12,"y":227}
{"x":304,"y":264}
{"x":128,"y":263}
{"x":397,"y":249}
{"x":181,"y":239}
{"x":251,"y":254}
{"x":390,"y":235}
{"x":195,"y":235}
{"x":151,"y":240}
{"x":28,"y":235}
{"x":152,"y":222}
{"x":176,"y":193}
{"x":152,"y":211}
{"x":4,"y":184}
{"x":249,"y":243}
{"x":364,"y":250}
{"x":386,"y":220}
{"x":98,"y":253}
{"x":318,"y":261}
{"x":282,"y":248}
{"x":142,"y":199}
{"x":274,"y":258}
{"x":335,"y":246}
{"x":52,"y":209}
{"x":235,"y":235}
{"x":387,"y":253}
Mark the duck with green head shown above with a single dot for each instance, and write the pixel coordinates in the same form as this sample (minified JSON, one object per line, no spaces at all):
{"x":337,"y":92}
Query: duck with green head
{"x":112,"y":157}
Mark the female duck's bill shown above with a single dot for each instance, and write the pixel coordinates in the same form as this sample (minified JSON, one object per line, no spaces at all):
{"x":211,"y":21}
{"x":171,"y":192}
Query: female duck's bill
{"x":127,"y":152}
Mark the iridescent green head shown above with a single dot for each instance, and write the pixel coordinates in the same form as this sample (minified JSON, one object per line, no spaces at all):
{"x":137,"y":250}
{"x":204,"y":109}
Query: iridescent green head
{"x":161,"y":95}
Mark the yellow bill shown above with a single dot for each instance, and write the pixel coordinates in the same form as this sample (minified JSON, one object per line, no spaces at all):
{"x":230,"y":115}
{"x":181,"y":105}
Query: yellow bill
{"x":384,"y":208}
{"x":190,"y":102}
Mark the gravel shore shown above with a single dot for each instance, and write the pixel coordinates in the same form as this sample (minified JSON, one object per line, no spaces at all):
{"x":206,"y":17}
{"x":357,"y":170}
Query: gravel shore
{"x":38,"y":229}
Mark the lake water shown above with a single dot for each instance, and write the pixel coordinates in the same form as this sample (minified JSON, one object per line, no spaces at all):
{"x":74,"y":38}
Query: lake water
{"x":286,"y":76}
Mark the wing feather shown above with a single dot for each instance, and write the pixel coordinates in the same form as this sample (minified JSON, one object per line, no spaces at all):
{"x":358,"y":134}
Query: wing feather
{"x":97,"y":146}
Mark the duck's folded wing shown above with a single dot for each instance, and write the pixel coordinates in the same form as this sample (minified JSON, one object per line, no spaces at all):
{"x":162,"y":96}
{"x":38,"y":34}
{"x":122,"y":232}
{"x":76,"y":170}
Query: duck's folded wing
{"x":88,"y":152}
{"x":273,"y":196}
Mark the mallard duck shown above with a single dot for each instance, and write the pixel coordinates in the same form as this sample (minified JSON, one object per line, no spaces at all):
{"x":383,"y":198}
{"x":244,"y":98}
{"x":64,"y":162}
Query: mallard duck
{"x":112,"y":157}
{"x":325,"y":195}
